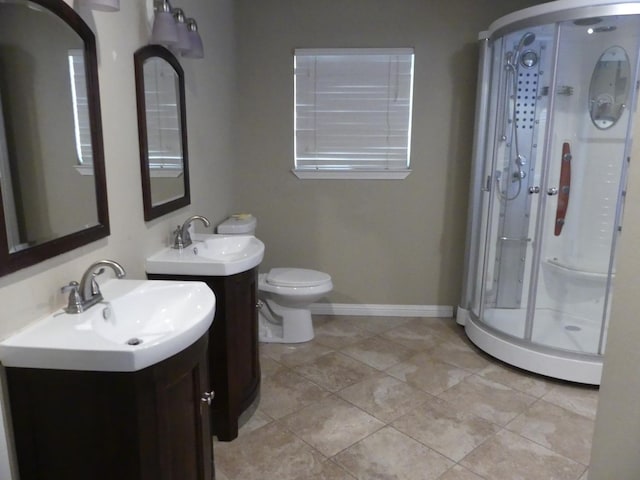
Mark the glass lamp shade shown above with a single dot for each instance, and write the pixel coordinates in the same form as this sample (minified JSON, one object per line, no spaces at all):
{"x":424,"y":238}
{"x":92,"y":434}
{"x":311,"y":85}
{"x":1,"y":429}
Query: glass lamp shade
{"x":164,"y":31}
{"x":103,"y":5}
{"x":183,"y":44}
{"x":196,"y":50}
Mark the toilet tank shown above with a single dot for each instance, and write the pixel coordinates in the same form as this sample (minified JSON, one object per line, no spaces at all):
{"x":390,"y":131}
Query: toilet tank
{"x":239,"y":224}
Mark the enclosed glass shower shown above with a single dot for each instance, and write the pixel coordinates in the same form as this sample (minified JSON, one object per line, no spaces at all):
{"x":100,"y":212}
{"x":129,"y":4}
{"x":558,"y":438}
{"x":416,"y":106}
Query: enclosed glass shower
{"x":556,"y":104}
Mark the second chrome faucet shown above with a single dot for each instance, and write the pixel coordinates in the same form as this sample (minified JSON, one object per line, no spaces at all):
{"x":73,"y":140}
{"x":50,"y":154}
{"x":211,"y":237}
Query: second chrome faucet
{"x":181,"y":236}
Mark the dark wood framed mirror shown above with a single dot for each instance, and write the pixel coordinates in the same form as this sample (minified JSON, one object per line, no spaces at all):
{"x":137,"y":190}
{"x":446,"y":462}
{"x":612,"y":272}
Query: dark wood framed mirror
{"x":162,"y":129}
{"x":52,"y":176}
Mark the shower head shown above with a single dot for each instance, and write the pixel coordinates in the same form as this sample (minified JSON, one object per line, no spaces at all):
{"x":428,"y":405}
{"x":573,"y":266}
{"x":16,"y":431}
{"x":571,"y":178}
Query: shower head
{"x":526,"y":40}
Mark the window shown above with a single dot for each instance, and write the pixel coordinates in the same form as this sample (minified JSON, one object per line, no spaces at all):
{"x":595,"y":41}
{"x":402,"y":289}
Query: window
{"x":353,"y":112}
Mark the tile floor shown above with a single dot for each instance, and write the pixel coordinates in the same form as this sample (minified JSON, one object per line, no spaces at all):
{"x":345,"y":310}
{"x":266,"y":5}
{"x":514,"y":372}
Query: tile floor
{"x":406,"y":398}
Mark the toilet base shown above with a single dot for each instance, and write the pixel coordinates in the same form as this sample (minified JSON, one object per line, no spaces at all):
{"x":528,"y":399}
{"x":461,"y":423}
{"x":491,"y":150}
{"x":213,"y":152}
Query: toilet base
{"x":279,"y":324}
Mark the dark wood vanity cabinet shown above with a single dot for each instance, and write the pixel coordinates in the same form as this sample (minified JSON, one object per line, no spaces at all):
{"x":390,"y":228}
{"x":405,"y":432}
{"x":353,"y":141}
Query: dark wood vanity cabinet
{"x":234,"y":362}
{"x":147,"y":425}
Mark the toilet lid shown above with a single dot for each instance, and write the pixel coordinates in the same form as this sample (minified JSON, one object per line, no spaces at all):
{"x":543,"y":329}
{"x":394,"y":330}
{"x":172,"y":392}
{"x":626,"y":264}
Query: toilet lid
{"x":296,"y":277}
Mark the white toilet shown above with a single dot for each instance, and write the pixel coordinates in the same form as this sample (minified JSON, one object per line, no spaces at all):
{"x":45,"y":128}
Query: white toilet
{"x":285,"y":293}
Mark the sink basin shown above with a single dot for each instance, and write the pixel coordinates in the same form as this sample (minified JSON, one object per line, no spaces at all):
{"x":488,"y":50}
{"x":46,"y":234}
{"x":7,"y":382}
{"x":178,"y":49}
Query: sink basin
{"x":214,"y":255}
{"x":139,"y":323}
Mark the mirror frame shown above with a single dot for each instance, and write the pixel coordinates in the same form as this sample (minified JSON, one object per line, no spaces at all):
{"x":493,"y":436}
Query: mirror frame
{"x":11,"y":262}
{"x":139,"y":57}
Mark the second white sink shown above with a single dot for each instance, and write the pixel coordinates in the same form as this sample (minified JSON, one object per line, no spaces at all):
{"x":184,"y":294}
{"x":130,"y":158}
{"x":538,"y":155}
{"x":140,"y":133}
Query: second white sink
{"x":211,"y":255}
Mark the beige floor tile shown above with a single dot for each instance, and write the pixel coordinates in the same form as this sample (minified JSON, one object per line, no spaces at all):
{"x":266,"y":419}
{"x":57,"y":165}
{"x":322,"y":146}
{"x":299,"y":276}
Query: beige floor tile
{"x":268,"y":365}
{"x":339,"y":333}
{"x":255,"y":421}
{"x":220,"y":475}
{"x":492,"y":401}
{"x":293,"y":354}
{"x":460,"y":353}
{"x":579,"y":399}
{"x":414,"y":335}
{"x":451,"y":432}
{"x":330,"y":471}
{"x":427,"y":373}
{"x":564,"y":432}
{"x":286,"y":392}
{"x":384,"y":397}
{"x":510,"y":456}
{"x":377,"y":325}
{"x":390,"y":455}
{"x":444,"y":327}
{"x":459,"y":473}
{"x":331,"y":425}
{"x":377,"y":352}
{"x":270,"y":452}
{"x":335,"y":371}
{"x":513,"y":377}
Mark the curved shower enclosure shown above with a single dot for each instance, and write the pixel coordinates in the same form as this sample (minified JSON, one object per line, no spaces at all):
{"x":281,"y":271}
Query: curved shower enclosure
{"x":556,"y":103}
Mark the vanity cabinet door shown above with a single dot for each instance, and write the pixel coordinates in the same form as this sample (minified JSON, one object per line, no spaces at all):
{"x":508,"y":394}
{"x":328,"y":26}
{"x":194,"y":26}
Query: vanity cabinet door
{"x":234,"y":361}
{"x":237,"y":337}
{"x":184,"y":437}
{"x":145,"y":425}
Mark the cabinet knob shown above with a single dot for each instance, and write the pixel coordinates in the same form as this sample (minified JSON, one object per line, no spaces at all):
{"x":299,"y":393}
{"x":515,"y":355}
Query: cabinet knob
{"x":207,"y":397}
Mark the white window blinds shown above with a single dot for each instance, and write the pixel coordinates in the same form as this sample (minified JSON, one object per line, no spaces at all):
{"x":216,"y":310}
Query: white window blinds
{"x":79,"y":96}
{"x":353,"y":110}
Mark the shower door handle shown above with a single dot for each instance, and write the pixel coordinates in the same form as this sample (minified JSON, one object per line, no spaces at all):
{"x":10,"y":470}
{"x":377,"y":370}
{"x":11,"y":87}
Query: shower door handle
{"x":565,"y":188}
{"x":552,"y":191}
{"x":533,"y":190}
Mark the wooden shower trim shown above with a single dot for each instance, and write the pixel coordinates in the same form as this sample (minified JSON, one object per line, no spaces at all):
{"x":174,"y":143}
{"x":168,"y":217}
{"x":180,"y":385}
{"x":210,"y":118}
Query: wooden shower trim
{"x":565,"y":187}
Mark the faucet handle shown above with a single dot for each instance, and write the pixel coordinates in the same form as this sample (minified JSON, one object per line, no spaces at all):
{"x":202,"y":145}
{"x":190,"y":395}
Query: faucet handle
{"x":178,"y":241}
{"x":74,"y":304}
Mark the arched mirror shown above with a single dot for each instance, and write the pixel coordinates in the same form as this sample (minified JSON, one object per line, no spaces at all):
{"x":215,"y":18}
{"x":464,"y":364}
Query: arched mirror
{"x":609,"y":87}
{"x":162,"y":129}
{"x":52,"y":180}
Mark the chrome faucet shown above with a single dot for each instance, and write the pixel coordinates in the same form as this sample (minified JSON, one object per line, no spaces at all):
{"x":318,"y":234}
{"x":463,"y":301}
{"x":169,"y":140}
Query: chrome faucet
{"x":181,"y":236}
{"x":85,"y":294}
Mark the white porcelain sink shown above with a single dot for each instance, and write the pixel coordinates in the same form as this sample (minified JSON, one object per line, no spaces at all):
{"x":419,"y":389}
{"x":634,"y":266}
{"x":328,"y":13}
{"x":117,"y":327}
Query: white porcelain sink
{"x":139,"y":323}
{"x":215,"y":255}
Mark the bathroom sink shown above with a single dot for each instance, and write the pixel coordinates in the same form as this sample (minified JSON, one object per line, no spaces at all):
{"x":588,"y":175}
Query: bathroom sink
{"x":209,"y":254}
{"x":139,"y":323}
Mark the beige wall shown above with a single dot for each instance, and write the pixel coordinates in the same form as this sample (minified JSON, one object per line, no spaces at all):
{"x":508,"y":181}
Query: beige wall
{"x":34,"y":292}
{"x":383,"y":242}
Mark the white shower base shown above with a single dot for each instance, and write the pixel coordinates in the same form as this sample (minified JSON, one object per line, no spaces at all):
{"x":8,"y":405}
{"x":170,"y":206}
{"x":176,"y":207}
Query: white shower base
{"x":550,"y":332}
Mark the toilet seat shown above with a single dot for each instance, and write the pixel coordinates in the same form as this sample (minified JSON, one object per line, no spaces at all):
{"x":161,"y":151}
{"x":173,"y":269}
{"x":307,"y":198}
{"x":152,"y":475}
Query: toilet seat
{"x":296,"y":277}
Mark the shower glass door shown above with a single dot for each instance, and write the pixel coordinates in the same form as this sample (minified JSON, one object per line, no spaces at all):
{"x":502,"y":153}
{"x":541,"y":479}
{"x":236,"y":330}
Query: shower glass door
{"x":581,"y":187}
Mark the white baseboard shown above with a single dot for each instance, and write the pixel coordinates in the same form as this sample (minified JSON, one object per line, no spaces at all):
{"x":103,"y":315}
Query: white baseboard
{"x":378,"y":310}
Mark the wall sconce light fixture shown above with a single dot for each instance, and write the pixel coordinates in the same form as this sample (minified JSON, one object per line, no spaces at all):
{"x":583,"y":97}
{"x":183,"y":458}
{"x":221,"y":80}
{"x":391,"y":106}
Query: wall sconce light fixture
{"x":164,"y":29}
{"x":172,"y":29}
{"x":196,"y":50}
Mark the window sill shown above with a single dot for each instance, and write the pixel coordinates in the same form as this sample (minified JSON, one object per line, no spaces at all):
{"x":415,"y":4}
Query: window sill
{"x":351,"y":174}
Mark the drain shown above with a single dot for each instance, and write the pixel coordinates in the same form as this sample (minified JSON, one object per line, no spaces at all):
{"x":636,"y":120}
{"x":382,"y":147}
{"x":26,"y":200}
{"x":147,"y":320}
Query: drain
{"x":134,"y":341}
{"x":573,"y":328}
